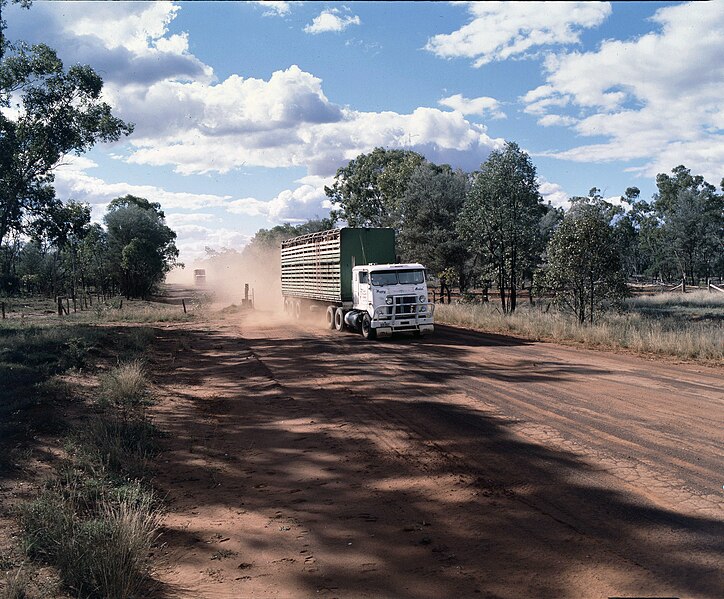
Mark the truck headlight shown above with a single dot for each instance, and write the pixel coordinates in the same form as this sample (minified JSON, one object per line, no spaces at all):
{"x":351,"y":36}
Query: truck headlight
{"x":422,"y":299}
{"x":388,"y":300}
{"x":422,"y":308}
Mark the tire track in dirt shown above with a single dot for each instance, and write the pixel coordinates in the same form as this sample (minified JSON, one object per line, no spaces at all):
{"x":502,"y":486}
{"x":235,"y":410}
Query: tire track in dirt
{"x":295,"y":469}
{"x":638,"y":472}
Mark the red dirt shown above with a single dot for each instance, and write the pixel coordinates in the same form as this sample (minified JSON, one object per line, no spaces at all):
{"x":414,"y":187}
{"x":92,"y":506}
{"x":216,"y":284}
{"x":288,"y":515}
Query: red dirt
{"x":302,"y":462}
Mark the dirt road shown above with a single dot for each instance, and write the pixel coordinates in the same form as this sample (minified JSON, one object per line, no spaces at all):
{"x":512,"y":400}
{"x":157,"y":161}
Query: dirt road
{"x":302,"y":462}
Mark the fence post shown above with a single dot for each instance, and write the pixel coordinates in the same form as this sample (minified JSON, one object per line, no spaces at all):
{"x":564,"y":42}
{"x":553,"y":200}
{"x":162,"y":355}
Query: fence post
{"x":183,"y":303}
{"x":683,"y":285}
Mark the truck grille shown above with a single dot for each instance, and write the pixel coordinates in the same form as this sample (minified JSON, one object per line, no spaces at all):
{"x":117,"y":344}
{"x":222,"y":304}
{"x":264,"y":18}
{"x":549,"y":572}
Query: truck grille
{"x":405,"y":304}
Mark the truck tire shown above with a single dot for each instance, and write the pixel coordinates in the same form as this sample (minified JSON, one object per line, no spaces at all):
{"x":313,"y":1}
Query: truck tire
{"x":330,"y":316}
{"x":367,"y":331}
{"x":339,"y":319}
{"x":297,"y":309}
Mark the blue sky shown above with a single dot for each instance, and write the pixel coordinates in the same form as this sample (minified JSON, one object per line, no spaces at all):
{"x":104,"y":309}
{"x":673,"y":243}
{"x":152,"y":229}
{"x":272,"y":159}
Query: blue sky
{"x":243,"y":111}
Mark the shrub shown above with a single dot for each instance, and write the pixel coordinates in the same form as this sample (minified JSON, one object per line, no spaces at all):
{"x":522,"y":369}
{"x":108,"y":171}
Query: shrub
{"x":101,"y":550}
{"x":124,"y":386}
{"x":120,"y":445}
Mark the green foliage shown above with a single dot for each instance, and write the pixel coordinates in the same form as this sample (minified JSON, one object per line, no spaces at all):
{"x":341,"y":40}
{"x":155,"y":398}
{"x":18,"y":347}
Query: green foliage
{"x":99,"y":545}
{"x":501,"y":219}
{"x":584,"y":270}
{"x":58,"y":111}
{"x":61,"y":113}
{"x":368,"y":191}
{"x":266,"y":240}
{"x":681,"y":232}
{"x":141,"y":247}
{"x":431,"y":205}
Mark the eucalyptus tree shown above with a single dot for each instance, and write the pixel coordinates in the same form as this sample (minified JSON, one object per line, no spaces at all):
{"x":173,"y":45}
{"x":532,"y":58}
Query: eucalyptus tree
{"x":681,"y":231}
{"x":500,"y":220}
{"x":692,"y":213}
{"x":141,"y":246}
{"x":583,"y":269}
{"x":369,"y":189}
{"x":55,"y":112}
{"x":430,"y":207}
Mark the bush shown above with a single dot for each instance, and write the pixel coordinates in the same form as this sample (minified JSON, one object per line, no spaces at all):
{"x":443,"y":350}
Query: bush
{"x":101,"y":550}
{"x":120,"y":445}
{"x":124,"y":386}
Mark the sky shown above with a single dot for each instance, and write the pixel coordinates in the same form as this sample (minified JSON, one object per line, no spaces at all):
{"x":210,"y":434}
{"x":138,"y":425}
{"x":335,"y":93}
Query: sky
{"x":243,"y":111}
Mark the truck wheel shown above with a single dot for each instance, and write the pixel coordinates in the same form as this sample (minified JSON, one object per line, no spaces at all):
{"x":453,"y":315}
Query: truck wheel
{"x":298,"y":310}
{"x":367,"y":331}
{"x":339,"y":319}
{"x":330,"y":316}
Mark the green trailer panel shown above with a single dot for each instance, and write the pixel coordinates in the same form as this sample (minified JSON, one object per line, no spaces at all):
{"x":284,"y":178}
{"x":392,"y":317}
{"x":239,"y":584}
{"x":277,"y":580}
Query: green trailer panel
{"x":319,"y":265}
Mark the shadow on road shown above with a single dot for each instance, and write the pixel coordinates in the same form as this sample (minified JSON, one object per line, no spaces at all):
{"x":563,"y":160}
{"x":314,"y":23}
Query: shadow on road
{"x":395,"y":489}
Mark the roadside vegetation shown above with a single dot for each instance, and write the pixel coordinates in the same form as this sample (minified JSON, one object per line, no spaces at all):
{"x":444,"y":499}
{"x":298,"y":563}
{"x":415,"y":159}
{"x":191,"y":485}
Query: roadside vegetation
{"x":74,"y":427}
{"x":688,"y":327}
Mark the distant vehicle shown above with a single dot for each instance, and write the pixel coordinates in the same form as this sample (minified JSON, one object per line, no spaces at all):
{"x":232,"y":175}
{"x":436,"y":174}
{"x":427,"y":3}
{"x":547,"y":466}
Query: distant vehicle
{"x":199,"y":277}
{"x":352,"y":273}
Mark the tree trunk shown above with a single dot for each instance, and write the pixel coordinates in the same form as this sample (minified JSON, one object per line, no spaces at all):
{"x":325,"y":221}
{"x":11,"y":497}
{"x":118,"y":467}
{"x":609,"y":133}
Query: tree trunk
{"x":592,"y":295}
{"x":513,"y":291}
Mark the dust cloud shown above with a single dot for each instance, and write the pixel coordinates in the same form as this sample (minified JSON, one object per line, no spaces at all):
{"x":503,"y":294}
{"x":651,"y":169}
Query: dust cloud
{"x":227,"y":273}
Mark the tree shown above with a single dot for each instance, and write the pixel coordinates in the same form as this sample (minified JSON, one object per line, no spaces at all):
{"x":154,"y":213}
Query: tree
{"x":267,"y":240}
{"x":584,"y":268}
{"x":693,"y":222}
{"x":501,"y":219}
{"x":94,"y":260}
{"x":141,"y":247}
{"x":431,"y":205}
{"x":59,"y":112}
{"x":369,"y":189}
{"x":681,"y":232}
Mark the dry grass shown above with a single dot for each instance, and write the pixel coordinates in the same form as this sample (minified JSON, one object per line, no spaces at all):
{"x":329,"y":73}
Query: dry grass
{"x":686,"y":339}
{"x":93,"y":521}
{"x":36,"y":309}
{"x":125,"y":385}
{"x":100,"y":547}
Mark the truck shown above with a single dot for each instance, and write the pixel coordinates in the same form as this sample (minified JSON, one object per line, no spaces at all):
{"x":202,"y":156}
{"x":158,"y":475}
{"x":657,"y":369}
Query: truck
{"x":200,"y":277}
{"x":351,"y":273}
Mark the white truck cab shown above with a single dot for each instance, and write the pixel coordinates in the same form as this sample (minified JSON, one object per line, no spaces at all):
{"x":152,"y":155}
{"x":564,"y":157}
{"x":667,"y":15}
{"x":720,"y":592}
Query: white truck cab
{"x":389,"y":298}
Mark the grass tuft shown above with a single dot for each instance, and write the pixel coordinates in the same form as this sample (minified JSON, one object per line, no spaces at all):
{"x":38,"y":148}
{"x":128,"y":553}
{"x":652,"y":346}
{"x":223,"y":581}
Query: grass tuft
{"x":125,"y":385}
{"x":100,"y":549}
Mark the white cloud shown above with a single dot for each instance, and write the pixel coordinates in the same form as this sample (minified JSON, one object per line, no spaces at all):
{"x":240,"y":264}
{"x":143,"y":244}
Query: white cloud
{"x":177,"y":219}
{"x":331,"y":20}
{"x":553,"y":193}
{"x":502,"y":30}
{"x":656,"y":98}
{"x":195,"y":124}
{"x":274,"y":8}
{"x":126,"y":42}
{"x":482,"y":106}
{"x":192,"y":239}
{"x":551,"y":120}
{"x":285,"y":121}
{"x":298,"y":205}
{"x":73,"y":182}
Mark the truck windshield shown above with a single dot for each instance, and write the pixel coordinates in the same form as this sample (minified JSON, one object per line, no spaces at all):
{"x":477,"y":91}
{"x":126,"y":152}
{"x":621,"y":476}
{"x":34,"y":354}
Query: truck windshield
{"x":395,"y":277}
